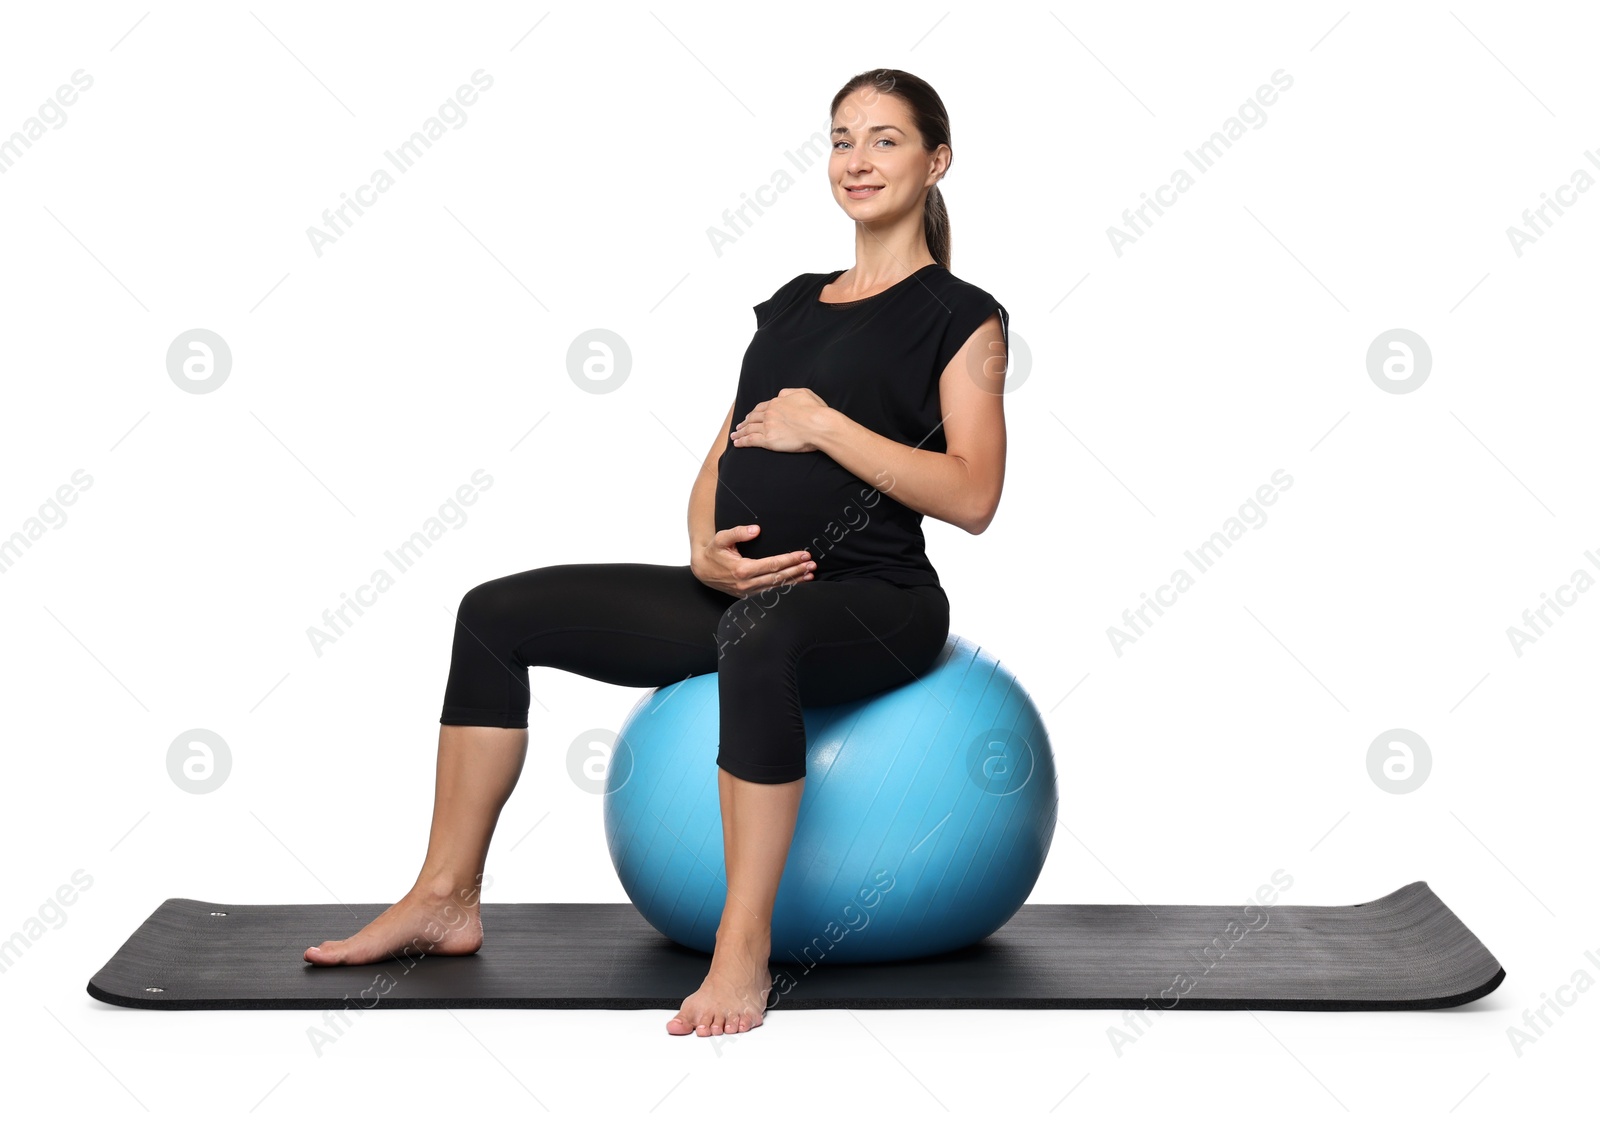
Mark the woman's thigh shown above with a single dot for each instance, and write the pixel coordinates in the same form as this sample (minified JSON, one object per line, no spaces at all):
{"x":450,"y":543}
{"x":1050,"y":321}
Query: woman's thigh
{"x":814,"y":644}
{"x":630,"y":623}
{"x":840,"y":640}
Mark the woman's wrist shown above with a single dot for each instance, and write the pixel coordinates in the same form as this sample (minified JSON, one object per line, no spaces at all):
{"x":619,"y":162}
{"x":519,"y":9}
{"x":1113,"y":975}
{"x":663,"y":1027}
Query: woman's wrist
{"x":830,"y":424}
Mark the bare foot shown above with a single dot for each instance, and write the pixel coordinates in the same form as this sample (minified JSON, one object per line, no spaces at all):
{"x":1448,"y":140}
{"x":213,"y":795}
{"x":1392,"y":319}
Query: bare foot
{"x":439,"y":923}
{"x":734,"y":996}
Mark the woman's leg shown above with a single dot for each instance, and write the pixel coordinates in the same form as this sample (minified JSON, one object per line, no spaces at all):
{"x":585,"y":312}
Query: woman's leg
{"x":809,"y":644}
{"x":634,"y":624}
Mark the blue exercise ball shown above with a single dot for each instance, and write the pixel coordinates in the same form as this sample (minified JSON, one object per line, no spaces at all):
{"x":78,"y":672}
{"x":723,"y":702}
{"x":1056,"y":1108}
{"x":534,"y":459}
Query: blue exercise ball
{"x":926,"y":816}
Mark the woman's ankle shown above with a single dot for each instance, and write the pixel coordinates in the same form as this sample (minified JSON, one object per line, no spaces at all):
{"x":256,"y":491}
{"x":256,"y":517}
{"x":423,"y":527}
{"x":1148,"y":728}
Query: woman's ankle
{"x":747,"y":935}
{"x":443,"y":888}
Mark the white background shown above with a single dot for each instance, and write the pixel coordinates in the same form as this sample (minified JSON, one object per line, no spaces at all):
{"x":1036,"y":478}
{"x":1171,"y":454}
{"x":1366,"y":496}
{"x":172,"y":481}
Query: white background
{"x":1162,"y":387}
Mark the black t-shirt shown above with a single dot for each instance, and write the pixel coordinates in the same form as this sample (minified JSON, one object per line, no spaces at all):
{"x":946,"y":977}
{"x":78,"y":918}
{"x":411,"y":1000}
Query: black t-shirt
{"x":878,"y":361}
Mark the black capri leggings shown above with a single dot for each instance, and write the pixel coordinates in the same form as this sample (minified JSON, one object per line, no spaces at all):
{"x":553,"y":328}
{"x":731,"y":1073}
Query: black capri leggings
{"x":810,"y":643}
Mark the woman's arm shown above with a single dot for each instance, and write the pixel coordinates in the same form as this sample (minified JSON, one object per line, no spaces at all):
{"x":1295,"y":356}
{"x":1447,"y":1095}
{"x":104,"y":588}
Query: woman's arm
{"x":703,"y":497}
{"x":961,"y":485}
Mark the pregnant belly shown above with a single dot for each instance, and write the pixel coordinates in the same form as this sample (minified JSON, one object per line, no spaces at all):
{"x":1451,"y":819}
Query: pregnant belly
{"x":801,"y":501}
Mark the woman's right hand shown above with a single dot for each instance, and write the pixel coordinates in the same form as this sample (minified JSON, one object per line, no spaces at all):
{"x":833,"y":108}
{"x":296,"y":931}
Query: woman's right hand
{"x":720,"y":565}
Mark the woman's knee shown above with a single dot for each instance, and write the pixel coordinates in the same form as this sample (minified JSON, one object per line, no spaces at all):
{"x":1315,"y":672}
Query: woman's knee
{"x":501,"y":599}
{"x":478,"y":604}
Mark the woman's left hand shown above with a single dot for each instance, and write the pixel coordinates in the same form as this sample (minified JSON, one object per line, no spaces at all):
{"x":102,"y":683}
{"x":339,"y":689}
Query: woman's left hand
{"x":785,"y":424}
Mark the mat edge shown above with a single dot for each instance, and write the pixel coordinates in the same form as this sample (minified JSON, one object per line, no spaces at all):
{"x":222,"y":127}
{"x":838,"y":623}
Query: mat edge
{"x":918,"y":1004}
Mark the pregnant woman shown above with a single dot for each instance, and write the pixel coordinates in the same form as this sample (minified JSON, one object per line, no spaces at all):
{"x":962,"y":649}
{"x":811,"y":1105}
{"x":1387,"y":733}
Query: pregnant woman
{"x":868,"y":398}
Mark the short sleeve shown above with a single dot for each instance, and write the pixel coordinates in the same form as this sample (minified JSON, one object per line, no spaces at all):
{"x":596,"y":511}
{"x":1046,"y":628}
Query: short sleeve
{"x":774,"y":304}
{"x":966,"y":315}
{"x":764,"y":310}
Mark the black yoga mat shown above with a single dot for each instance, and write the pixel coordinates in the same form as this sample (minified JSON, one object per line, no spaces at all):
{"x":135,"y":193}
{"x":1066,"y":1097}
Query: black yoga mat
{"x":1404,"y":951}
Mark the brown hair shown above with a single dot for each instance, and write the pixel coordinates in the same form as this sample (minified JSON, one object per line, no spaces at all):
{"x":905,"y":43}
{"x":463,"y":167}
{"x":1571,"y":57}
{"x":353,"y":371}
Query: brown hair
{"x":933,"y":122}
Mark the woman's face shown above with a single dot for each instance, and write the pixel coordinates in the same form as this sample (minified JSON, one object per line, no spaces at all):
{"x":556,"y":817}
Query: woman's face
{"x":879,"y":151}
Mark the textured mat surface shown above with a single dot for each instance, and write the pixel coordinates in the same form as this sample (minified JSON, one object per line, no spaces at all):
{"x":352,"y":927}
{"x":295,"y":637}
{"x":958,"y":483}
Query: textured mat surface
{"x":1404,"y":951}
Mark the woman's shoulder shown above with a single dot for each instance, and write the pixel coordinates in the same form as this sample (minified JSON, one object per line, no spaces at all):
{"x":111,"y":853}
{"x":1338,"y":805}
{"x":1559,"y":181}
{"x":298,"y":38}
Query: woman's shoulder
{"x":963,"y":307}
{"x":959,"y":287}
{"x":785,"y":295}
